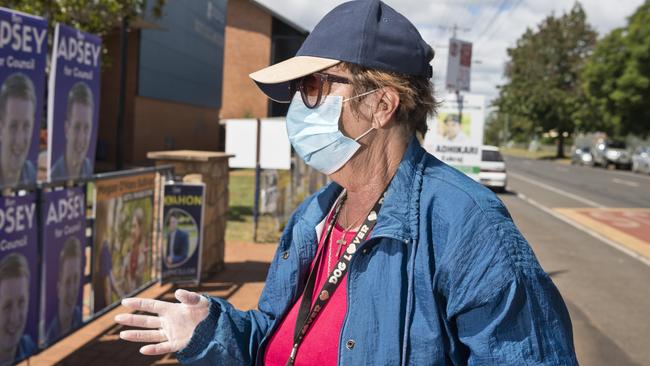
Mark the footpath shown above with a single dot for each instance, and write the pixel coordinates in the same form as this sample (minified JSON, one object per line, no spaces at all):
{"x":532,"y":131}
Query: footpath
{"x":98,"y":343}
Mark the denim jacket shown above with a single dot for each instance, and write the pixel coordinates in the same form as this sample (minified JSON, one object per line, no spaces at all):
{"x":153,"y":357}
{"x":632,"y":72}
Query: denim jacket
{"x":446,"y":278}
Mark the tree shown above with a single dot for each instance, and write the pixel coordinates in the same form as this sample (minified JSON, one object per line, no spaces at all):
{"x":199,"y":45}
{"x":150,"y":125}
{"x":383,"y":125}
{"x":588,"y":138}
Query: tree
{"x":600,"y":77}
{"x":633,"y":94}
{"x":616,"y":79}
{"x":501,"y":127}
{"x":543,"y":71}
{"x":97,"y":16}
{"x":493,"y":131}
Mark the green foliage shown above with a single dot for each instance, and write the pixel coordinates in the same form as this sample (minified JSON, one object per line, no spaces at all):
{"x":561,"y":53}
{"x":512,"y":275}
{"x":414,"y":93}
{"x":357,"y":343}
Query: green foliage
{"x":599,"y":77}
{"x":616,"y":80}
{"x":503,"y":127}
{"x":493,"y":133}
{"x":543,"y":88}
{"x":97,"y":16}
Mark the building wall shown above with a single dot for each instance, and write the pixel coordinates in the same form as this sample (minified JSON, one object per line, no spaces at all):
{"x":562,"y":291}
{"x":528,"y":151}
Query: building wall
{"x":247,"y":49}
{"x":181,"y":60}
{"x":163,"y":125}
{"x":157,"y":124}
{"x":285,"y":42}
{"x":109,"y":100}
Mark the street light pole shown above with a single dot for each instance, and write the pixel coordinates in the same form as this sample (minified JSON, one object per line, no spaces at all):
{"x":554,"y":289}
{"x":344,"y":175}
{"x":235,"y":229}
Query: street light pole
{"x":119,"y":131}
{"x":256,"y":201}
{"x":459,"y":100}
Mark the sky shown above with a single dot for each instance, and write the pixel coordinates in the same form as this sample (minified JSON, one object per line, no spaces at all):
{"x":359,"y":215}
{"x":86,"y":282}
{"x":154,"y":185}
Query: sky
{"x":492,"y":26}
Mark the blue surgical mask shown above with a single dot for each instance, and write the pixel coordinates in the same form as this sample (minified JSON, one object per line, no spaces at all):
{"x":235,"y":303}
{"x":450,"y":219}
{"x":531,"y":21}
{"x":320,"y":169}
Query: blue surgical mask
{"x":315,"y":135}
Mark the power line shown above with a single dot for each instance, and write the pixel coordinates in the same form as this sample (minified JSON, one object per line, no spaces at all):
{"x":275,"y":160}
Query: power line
{"x":455,"y":28}
{"x":494,"y":17}
{"x":460,"y":14}
{"x":485,"y":37}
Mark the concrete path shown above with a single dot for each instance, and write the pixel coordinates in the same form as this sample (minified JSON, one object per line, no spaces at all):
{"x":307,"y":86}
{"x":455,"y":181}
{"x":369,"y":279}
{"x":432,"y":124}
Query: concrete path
{"x":98,"y":343}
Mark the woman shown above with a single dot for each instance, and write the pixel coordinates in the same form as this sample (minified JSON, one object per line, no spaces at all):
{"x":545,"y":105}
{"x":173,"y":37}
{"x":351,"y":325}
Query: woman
{"x":135,"y":264}
{"x":402,"y":260}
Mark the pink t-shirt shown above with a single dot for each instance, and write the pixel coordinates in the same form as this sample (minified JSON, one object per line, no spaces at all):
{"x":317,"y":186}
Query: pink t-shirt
{"x":321,"y":343}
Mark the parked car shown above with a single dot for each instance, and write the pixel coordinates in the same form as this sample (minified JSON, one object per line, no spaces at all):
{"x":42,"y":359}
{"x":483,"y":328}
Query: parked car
{"x":641,"y":160}
{"x":615,"y":153}
{"x":582,"y":156}
{"x":493,"y":169}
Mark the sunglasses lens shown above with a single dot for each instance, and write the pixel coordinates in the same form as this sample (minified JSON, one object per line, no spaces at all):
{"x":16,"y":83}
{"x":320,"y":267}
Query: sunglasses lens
{"x":311,"y":90}
{"x":311,"y":85}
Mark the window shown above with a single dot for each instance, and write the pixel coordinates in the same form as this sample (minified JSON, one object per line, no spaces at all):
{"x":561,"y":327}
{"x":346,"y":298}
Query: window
{"x":491,"y":155}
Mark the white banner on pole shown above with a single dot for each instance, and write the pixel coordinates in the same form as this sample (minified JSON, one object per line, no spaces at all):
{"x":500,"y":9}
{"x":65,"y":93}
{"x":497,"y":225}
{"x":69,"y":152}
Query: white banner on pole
{"x":459,"y":64}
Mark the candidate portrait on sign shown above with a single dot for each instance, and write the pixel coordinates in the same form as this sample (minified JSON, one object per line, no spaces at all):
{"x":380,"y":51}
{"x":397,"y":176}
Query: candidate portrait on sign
{"x":177,"y":242}
{"x":68,"y":314}
{"x":452,"y":130}
{"x":17,"y":110}
{"x":14,"y":306}
{"x":78,"y":127}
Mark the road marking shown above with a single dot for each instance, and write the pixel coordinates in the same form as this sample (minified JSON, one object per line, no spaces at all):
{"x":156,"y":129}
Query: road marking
{"x":624,"y":226}
{"x":586,"y":230}
{"x":625,"y":182}
{"x":630,"y":175}
{"x":556,"y":190}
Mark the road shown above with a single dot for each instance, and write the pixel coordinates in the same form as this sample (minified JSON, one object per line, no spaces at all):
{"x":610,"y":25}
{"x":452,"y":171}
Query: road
{"x":609,"y":188}
{"x":590,"y":230}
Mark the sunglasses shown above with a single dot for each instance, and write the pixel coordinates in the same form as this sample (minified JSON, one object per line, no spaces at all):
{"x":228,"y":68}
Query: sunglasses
{"x":312,"y":87}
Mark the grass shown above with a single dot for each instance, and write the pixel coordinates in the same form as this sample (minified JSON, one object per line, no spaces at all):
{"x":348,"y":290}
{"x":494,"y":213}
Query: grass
{"x":239,"y":226}
{"x":544,"y":154}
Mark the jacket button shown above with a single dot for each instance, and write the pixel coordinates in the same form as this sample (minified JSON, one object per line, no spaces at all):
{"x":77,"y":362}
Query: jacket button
{"x":349,"y":344}
{"x":285,"y":255}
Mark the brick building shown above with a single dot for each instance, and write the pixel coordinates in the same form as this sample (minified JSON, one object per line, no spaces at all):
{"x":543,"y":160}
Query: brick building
{"x":255,"y":38}
{"x":185,"y":71}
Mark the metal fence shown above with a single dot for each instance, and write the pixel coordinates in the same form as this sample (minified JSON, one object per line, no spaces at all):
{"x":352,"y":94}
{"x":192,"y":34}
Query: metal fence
{"x":119,"y":191}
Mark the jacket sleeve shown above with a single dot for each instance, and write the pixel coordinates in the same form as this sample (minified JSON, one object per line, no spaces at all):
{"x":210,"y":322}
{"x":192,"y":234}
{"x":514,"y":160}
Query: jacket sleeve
{"x":505,"y":308}
{"x":229,"y":336}
{"x":232,"y":337}
{"x":226,"y":337}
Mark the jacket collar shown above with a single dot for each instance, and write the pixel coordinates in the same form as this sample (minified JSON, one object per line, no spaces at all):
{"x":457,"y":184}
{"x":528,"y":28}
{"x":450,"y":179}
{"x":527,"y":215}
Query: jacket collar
{"x":398,"y":216}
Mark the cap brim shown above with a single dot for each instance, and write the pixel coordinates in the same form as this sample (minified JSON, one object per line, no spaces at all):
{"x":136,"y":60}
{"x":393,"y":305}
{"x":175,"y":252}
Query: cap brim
{"x":274,"y":80}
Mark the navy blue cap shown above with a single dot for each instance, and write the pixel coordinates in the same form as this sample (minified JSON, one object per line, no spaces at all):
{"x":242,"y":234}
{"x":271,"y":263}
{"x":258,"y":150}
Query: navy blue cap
{"x":372,"y":34}
{"x":363,"y":32}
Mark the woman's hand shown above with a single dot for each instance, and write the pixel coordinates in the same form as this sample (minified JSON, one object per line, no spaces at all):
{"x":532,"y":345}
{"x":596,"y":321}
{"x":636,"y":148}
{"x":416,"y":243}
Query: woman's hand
{"x":171,"y":328}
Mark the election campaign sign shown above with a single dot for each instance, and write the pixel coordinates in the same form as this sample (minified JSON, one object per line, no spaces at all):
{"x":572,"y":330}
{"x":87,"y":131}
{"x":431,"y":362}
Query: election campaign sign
{"x":182,"y":232}
{"x":123,"y":245}
{"x":73,"y":103}
{"x":459,"y":65}
{"x":454,"y":140}
{"x":23,"y":51}
{"x":63,"y":225}
{"x":19,"y":278}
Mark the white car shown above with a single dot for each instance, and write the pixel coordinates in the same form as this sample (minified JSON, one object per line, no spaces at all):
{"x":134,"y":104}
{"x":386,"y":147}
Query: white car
{"x":641,"y":160}
{"x":493,"y":169}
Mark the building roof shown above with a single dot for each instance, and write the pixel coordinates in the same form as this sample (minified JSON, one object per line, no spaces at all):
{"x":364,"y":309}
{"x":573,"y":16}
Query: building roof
{"x":280,"y":17}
